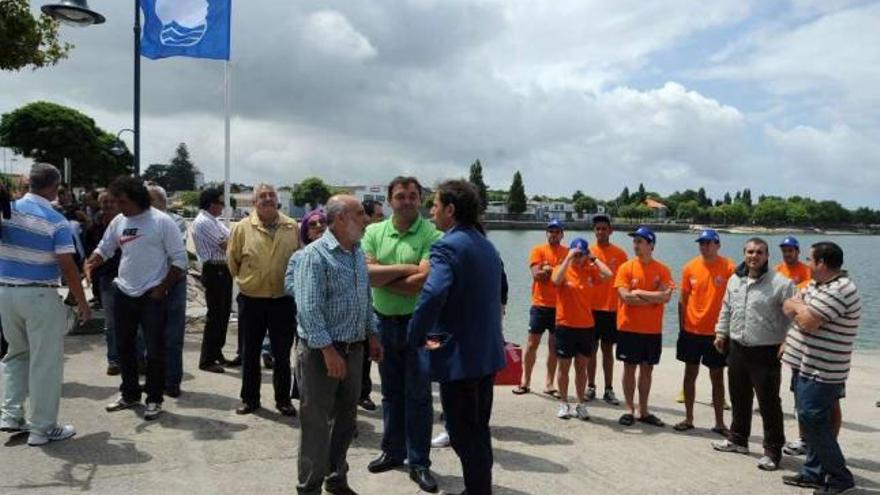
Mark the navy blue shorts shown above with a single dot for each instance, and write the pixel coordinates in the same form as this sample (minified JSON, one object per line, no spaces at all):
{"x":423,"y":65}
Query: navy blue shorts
{"x":573,"y":341}
{"x":542,"y":318}
{"x":606,"y":326}
{"x":693,"y":349}
{"x":639,"y":348}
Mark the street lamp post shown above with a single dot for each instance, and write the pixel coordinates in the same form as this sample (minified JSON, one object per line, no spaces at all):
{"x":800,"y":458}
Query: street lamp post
{"x":78,"y":13}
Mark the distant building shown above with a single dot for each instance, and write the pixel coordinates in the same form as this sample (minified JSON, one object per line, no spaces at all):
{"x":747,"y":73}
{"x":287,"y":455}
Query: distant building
{"x":658,"y":209}
{"x":199,"y":179}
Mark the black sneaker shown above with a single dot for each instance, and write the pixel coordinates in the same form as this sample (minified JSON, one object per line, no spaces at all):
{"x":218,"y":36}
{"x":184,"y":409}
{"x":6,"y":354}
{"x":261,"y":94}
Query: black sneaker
{"x":800,"y":480}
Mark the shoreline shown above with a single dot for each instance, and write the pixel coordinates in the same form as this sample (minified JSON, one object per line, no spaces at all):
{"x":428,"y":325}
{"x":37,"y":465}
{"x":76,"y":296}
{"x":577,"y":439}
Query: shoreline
{"x":676,"y":227}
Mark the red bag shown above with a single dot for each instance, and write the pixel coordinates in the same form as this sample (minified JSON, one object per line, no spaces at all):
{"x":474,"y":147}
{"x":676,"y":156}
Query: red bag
{"x":512,"y":372}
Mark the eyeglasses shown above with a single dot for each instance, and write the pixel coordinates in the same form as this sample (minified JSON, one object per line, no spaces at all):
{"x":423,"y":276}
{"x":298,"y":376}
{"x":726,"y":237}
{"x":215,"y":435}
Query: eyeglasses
{"x":316,"y":223}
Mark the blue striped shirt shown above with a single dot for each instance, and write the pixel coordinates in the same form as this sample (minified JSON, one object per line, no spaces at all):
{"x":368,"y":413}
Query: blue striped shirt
{"x":30,"y":241}
{"x":332,"y":292}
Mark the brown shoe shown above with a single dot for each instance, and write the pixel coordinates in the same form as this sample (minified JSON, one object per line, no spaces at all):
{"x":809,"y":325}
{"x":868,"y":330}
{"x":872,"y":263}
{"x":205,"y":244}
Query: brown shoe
{"x":113,"y":369}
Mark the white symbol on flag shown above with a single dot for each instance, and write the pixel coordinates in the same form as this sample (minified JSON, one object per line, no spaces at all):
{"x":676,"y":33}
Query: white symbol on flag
{"x":184,"y":22}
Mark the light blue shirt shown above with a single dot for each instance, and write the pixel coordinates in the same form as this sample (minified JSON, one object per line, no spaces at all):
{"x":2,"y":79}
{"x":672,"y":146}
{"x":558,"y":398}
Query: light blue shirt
{"x":31,"y":240}
{"x":332,"y":292}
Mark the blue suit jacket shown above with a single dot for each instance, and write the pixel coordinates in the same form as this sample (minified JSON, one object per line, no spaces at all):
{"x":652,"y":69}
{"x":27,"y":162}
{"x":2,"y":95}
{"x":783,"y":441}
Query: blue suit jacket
{"x":461,"y":301}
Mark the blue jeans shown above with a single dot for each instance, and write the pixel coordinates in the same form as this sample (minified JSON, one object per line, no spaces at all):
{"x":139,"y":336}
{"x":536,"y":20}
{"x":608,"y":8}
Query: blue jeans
{"x":407,"y":405}
{"x":175,"y":326}
{"x":824,"y":457}
{"x":107,"y":290}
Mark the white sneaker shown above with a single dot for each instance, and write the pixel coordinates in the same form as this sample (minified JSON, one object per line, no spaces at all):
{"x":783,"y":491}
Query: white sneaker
{"x":582,"y":413}
{"x":798,"y":447}
{"x":152,"y":411}
{"x":765,"y":463}
{"x":441,"y":440}
{"x":564,"y":411}
{"x":12,"y":425}
{"x":728,"y":446}
{"x":54,"y":435}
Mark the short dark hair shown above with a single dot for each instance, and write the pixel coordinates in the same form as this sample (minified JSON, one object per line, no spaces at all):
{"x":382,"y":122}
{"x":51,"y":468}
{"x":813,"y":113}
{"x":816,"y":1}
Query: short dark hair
{"x":209,"y":196}
{"x":464,"y":196}
{"x":758,"y":240}
{"x":829,"y":253}
{"x":601,"y":218}
{"x":404,"y":181}
{"x":370,"y":206}
{"x":132,"y":188}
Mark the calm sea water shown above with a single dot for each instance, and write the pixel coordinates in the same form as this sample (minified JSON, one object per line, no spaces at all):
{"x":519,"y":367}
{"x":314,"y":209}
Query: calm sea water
{"x":675,"y":249}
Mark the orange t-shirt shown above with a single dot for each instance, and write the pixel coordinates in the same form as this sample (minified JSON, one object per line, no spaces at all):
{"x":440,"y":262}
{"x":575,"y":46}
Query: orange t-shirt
{"x":604,"y":294}
{"x":544,"y":292}
{"x":574,"y":297}
{"x":636,"y":275}
{"x":800,"y":275}
{"x":704,"y":285}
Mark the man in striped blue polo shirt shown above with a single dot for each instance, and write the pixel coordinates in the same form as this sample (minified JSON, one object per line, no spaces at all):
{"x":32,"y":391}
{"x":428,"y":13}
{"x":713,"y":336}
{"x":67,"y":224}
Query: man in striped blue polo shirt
{"x":818,"y":348}
{"x":35,"y":245}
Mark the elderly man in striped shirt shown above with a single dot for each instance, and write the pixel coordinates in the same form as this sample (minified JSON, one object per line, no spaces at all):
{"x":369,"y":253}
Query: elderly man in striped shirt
{"x":35,"y":245}
{"x":210,"y":237}
{"x":818,"y":349}
{"x":332,"y":289}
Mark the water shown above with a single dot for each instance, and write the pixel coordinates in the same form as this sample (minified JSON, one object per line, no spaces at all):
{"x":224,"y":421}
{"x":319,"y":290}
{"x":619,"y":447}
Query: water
{"x":675,"y":249}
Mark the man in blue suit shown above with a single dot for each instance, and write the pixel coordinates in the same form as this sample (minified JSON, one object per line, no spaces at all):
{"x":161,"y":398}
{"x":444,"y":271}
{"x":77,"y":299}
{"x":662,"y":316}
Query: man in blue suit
{"x":458,"y":318}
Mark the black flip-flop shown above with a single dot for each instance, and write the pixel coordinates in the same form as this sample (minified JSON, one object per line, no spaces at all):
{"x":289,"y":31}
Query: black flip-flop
{"x":627,"y":419}
{"x":683,"y":426}
{"x":520,"y":390}
{"x":652,"y":420}
{"x":553,"y":393}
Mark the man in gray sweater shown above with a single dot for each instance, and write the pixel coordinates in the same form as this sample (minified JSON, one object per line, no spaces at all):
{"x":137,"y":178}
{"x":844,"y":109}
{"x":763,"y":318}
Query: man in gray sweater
{"x":750,"y":329}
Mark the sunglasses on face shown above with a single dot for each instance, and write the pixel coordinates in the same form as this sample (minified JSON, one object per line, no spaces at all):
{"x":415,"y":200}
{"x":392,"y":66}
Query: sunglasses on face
{"x":315,"y":223}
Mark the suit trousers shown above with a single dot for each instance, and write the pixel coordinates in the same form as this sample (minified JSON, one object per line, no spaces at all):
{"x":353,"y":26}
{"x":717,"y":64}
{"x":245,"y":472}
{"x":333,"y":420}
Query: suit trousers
{"x":468,"y":407}
{"x":217,"y":282}
{"x":755,"y":371}
{"x":328,"y":417}
{"x":256,"y":317}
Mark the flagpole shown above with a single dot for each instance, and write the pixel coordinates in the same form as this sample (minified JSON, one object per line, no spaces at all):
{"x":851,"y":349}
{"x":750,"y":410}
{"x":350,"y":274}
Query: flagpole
{"x":226,"y":97}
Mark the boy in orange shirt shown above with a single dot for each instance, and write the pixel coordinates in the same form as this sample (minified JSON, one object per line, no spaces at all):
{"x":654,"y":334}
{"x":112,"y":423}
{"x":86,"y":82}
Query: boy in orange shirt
{"x":644,"y":286}
{"x":791,"y":267}
{"x":703,"y":283}
{"x":575,"y":279}
{"x":542,"y":315}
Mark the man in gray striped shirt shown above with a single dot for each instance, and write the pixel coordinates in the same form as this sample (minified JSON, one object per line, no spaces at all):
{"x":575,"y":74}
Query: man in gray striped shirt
{"x":818,"y":348}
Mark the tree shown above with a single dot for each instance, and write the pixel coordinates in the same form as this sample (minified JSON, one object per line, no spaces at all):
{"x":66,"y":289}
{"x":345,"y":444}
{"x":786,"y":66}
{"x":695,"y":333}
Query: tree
{"x":181,"y":174}
{"x":770,"y":211}
{"x":702,"y":199}
{"x":641,"y":195}
{"x":311,"y":191}
{"x":747,"y":197}
{"x":26,"y":41}
{"x":516,"y":200}
{"x":156,"y":172}
{"x":48,"y":132}
{"x":727,"y":199}
{"x":585,"y":204}
{"x":576,"y":196}
{"x":687,"y":210}
{"x":476,"y":178}
{"x":624,"y":196}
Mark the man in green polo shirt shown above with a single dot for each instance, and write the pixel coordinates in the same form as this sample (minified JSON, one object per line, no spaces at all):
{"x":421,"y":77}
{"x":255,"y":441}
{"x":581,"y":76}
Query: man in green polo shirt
{"x":397,"y":259}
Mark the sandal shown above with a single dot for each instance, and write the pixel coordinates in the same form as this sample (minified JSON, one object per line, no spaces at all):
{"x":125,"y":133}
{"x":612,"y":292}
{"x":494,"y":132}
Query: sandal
{"x":652,"y":420}
{"x":520,"y":390}
{"x":627,"y":419}
{"x":683,"y":426}
{"x":721,"y":431}
{"x":553,"y":393}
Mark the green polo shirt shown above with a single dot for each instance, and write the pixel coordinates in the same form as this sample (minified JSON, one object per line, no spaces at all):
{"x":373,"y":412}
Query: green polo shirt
{"x":390,"y":247}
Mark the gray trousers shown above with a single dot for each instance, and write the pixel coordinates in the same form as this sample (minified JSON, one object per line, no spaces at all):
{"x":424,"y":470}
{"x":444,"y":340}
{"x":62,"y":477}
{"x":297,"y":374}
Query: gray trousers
{"x":328,"y":415}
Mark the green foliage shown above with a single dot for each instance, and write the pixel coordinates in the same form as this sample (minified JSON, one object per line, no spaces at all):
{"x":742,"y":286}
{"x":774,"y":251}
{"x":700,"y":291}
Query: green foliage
{"x":476,"y":178}
{"x":28,"y":41}
{"x":180,"y":175}
{"x":48,"y":132}
{"x":516,"y":200}
{"x":311,"y":191}
{"x":497,"y":195}
{"x":585,"y":204}
{"x":634,"y":212}
{"x":189,"y":198}
{"x":689,"y":209}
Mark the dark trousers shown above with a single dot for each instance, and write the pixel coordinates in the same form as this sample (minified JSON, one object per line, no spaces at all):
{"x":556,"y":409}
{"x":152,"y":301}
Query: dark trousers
{"x":824,"y":457}
{"x":468,"y":408}
{"x":217,"y":282}
{"x":256,"y":317}
{"x":4,"y":346}
{"x":366,"y":381}
{"x":149,"y":314}
{"x":756,"y":371}
{"x":328,"y":417}
{"x":407,"y":404}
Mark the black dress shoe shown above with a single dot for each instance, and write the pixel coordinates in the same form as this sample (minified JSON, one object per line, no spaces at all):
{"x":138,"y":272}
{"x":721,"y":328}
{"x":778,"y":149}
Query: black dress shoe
{"x":367,"y":404}
{"x":233,"y":363}
{"x":268,"y":361}
{"x":286,"y":409}
{"x":340,"y":490}
{"x":422,"y":477}
{"x":173,"y":392}
{"x":212,"y":368}
{"x":383,"y":463}
{"x":247,"y":408}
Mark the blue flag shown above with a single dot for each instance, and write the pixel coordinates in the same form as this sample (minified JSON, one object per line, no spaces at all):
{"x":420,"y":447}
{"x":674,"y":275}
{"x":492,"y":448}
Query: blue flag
{"x":186,"y":28}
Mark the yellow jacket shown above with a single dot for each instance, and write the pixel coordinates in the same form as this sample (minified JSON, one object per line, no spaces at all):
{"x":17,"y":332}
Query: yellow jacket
{"x":256,"y":259}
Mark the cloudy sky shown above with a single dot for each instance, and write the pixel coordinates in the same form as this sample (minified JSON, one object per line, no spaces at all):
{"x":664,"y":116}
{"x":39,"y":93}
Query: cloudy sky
{"x":778,"y":96}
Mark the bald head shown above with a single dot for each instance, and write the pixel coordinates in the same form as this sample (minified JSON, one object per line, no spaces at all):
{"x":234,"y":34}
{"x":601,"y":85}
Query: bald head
{"x":346,"y":218}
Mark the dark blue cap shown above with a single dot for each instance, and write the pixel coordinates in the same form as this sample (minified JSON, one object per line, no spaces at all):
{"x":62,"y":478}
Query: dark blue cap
{"x":555,"y":224}
{"x":709,"y":235}
{"x":579,"y":243}
{"x":790,"y":241}
{"x":645,"y":233}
